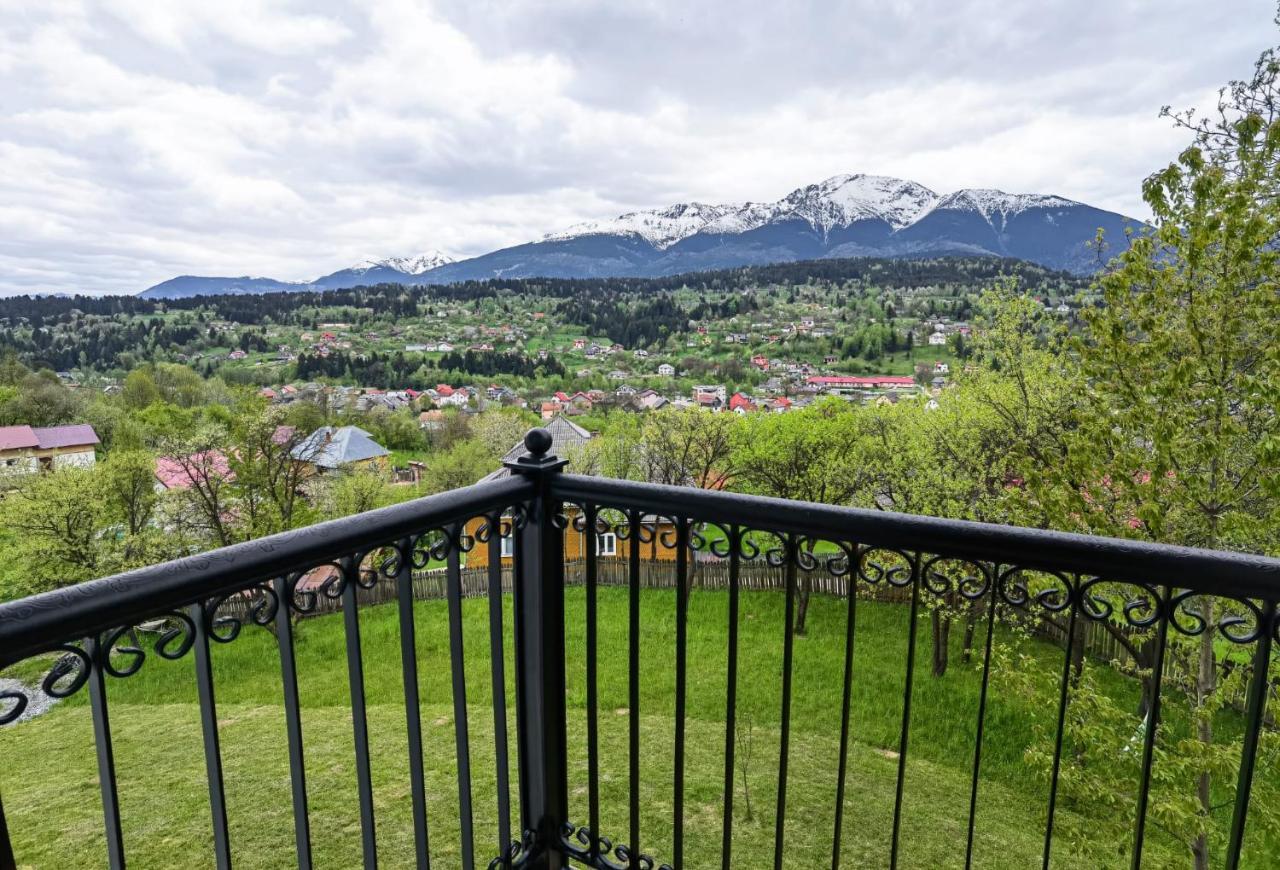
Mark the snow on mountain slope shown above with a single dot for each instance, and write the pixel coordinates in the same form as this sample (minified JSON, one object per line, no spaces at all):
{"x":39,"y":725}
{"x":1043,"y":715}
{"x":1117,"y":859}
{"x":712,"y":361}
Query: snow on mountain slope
{"x":414,"y":265}
{"x":996,"y":206}
{"x":661,"y":228}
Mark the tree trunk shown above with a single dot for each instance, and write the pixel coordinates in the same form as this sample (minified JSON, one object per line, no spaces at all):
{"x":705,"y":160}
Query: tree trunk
{"x":970,"y":626}
{"x":941,"y":640}
{"x":804,"y":590}
{"x":1206,"y":682}
{"x":802,"y":600}
{"x":1077,"y":656}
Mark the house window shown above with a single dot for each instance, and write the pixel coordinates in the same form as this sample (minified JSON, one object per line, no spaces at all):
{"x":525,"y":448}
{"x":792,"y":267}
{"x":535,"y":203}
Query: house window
{"x":508,"y":546}
{"x":607,"y":544}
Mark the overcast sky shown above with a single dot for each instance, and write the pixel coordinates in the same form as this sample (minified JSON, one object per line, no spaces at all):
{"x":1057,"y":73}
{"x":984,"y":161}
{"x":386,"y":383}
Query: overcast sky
{"x":142,"y":139}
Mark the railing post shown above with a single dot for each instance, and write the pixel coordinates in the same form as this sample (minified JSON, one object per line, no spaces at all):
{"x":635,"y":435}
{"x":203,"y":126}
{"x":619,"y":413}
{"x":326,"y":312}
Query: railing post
{"x":539,"y":643}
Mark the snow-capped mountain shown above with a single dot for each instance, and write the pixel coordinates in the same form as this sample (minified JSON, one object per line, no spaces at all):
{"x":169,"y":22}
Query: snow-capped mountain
{"x":844,"y":216}
{"x":415,"y":265}
{"x":837,"y":203}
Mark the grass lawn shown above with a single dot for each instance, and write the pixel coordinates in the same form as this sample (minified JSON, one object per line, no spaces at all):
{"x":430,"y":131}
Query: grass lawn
{"x":49,"y":781}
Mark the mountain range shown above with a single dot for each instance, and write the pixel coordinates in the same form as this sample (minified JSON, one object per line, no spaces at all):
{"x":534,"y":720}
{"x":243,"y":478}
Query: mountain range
{"x":843,"y":216}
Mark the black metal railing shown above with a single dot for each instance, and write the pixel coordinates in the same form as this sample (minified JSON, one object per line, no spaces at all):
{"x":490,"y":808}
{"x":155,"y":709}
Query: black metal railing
{"x":208,"y":599}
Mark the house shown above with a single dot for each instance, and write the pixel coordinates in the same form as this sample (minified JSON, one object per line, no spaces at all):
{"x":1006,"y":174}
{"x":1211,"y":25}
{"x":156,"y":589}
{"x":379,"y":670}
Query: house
{"x":567,"y":438}
{"x":640,"y":354}
{"x":941,"y":368}
{"x":667,"y":370}
{"x":237,"y":354}
{"x":617,"y":375}
{"x":937,"y":339}
{"x":343,"y":448}
{"x":761,"y":362}
{"x":740,"y":404}
{"x":26,"y":449}
{"x":716,"y":390}
{"x":431,"y":420}
{"x":650,"y":400}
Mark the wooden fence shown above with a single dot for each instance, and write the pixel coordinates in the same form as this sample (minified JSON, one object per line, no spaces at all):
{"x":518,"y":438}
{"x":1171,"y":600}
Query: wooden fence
{"x":429,"y":584}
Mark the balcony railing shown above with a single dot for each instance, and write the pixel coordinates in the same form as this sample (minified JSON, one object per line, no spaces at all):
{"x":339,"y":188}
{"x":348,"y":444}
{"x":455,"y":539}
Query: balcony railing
{"x":209,"y":599}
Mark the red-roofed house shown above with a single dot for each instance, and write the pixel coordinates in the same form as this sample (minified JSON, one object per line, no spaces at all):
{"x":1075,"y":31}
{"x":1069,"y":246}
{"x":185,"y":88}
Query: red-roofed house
{"x":740,"y":403}
{"x":26,"y":449}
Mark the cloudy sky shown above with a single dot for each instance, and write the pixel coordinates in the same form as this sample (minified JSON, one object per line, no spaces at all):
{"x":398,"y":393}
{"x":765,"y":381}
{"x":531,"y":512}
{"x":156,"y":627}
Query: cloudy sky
{"x":141,"y":140}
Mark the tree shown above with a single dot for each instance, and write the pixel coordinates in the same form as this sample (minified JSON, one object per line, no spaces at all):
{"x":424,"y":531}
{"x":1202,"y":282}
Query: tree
{"x":805,"y":455}
{"x":1177,"y":438}
{"x":461,"y":465}
{"x":689,"y":447}
{"x":56,"y":518}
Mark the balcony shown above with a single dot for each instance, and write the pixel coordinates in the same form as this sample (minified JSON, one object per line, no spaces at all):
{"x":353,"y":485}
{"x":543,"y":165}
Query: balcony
{"x":554,"y":719}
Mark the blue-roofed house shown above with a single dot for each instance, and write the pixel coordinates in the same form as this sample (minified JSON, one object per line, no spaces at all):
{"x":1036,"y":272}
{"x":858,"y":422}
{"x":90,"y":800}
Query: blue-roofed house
{"x":345,"y":448}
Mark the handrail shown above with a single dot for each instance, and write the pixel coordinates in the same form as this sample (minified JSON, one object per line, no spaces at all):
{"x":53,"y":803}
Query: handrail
{"x":1214,"y":571}
{"x":29,"y":625}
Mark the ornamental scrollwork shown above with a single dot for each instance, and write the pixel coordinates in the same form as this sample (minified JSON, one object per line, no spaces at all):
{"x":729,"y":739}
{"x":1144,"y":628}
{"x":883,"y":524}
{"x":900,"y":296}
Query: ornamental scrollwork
{"x":576,"y":841}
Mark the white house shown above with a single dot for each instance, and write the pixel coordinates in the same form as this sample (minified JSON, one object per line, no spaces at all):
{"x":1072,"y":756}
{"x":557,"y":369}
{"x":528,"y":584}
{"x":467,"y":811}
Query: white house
{"x":937,"y":339}
{"x":667,"y":370}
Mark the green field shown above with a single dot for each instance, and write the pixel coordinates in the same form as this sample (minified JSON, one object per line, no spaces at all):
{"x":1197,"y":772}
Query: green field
{"x":49,"y":782}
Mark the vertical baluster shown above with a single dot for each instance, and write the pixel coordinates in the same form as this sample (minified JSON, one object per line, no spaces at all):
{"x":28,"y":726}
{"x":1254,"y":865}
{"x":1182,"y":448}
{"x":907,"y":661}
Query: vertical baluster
{"x":1259,"y":685}
{"x":359,"y":720}
{"x":497,"y":659}
{"x":993,"y":591}
{"x":1153,"y":723}
{"x":906,"y":707}
{"x":412,"y":705}
{"x":293,"y":724}
{"x":731,"y":700}
{"x":453,"y":575}
{"x":633,"y":675}
{"x":682,"y":617}
{"x":105,"y":752}
{"x":788,"y":644}
{"x":590,"y":513}
{"x":7,"y":860}
{"x":1062,"y":716}
{"x":846,"y":703}
{"x":209,"y":725}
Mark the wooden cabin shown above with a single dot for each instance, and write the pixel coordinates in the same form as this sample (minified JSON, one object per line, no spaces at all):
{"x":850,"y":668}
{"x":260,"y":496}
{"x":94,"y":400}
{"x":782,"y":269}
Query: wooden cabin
{"x":566,"y":437}
{"x":609,"y":545}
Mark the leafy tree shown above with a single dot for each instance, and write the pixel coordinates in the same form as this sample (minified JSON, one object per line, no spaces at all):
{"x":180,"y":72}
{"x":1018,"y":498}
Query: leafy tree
{"x":461,"y":465}
{"x":807,"y":455}
{"x":689,"y":447}
{"x":1178,"y":439}
{"x":56,"y":519}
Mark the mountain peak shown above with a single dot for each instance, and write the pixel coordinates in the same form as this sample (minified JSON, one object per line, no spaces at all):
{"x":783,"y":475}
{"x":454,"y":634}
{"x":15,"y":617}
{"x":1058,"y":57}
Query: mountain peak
{"x":842,"y":199}
{"x":411,"y":265}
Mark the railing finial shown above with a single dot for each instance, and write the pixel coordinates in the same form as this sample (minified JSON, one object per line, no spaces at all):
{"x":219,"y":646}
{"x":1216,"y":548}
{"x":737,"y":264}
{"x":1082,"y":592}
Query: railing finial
{"x":537,"y":443}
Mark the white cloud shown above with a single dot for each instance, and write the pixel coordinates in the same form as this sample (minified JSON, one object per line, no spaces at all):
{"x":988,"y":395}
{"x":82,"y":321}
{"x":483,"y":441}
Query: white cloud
{"x":141,"y":140}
